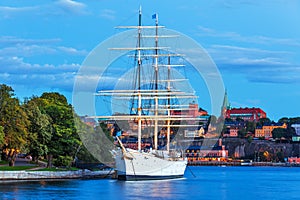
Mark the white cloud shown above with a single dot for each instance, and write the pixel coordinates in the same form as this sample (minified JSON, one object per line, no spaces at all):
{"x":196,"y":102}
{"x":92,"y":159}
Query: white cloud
{"x":59,"y":7}
{"x":12,"y":46}
{"x":72,"y":51}
{"x":27,"y":50}
{"x":8,"y":9}
{"x":237,"y":3}
{"x":245,"y":49}
{"x":108,"y":14}
{"x":15,"y":71}
{"x":241,"y":55}
{"x":255,"y":39}
{"x":70,"y":6}
{"x":257,"y":65}
{"x":17,"y":65}
{"x":10,"y":40}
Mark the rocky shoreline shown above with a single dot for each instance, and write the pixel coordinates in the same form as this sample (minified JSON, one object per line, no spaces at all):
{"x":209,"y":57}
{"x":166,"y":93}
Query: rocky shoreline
{"x":242,"y":148}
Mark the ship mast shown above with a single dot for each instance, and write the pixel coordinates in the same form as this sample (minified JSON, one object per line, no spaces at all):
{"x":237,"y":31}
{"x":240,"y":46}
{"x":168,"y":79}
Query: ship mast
{"x":156,"y":93}
{"x":156,"y":83}
{"x":169,"y":103}
{"x":139,"y":82}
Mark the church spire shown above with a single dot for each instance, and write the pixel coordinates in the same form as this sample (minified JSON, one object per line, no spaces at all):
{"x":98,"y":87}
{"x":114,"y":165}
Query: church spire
{"x":225,"y":105}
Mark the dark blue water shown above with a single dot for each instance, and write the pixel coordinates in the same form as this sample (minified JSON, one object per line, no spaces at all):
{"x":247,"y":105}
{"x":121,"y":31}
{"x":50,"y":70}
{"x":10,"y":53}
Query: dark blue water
{"x":210,"y":183}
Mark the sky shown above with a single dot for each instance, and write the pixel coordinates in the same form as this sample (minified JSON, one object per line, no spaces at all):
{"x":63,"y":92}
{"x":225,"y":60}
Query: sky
{"x":255,"y":44}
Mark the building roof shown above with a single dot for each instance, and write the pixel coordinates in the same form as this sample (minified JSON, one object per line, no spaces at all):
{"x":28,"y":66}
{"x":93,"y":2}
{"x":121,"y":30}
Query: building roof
{"x":274,"y":124}
{"x":241,"y":110}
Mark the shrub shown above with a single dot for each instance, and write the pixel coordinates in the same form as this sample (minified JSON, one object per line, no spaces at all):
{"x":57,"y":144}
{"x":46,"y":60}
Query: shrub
{"x":63,"y":161}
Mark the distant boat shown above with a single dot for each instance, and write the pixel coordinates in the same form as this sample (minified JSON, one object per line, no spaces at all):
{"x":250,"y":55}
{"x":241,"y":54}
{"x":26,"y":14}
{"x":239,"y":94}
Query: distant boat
{"x":246,"y":162}
{"x":154,"y":104}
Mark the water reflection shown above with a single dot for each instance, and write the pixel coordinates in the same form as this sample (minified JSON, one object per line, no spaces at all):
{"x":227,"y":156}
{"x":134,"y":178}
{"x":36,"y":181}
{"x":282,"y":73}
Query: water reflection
{"x":164,"y":189}
{"x":210,"y":183}
{"x":36,"y":189}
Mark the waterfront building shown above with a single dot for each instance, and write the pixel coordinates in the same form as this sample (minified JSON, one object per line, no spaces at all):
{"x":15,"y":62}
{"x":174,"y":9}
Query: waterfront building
{"x":232,"y":128}
{"x":296,"y":138}
{"x":198,"y":153}
{"x":297,"y":128}
{"x":266,"y":130}
{"x":247,"y":114}
{"x":194,"y":133}
{"x":294,"y":160}
{"x":259,"y":132}
{"x":231,"y":132}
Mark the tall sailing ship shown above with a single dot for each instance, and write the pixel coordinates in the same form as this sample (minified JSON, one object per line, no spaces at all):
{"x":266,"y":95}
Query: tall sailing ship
{"x":156,"y":109}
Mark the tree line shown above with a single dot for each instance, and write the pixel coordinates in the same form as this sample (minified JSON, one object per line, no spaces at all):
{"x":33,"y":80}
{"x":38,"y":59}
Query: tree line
{"x":43,"y":127}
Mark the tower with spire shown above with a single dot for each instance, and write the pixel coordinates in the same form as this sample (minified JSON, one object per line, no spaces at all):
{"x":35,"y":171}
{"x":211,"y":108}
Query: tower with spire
{"x":225,"y":105}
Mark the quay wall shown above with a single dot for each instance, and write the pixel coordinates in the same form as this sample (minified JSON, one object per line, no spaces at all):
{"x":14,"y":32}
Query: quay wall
{"x":35,"y":175}
{"x":216,"y":163}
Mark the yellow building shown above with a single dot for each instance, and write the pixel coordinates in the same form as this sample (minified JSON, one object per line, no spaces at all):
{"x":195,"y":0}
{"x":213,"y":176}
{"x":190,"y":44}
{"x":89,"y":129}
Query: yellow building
{"x":266,"y":130}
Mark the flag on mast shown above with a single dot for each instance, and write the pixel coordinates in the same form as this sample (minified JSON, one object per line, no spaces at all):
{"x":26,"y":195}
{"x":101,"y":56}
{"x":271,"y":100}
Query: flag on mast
{"x":154,"y":16}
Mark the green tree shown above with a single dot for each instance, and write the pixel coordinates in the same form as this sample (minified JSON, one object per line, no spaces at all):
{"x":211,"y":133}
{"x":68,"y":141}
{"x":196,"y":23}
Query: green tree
{"x":97,"y":140}
{"x":289,"y":121}
{"x":242,"y":132}
{"x":284,"y":120}
{"x":1,"y":140}
{"x":279,"y":156}
{"x":249,"y":139}
{"x":290,"y":132}
{"x":228,"y":120}
{"x":102,"y":126}
{"x":65,"y":140}
{"x":1,"y":136}
{"x":14,"y":121}
{"x":263,"y":121}
{"x":250,"y":126}
{"x":282,"y":132}
{"x":40,"y":129}
{"x":294,"y":120}
{"x":278,"y":133}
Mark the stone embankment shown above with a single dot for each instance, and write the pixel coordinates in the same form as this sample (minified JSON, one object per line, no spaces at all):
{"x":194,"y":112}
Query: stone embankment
{"x":36,"y":175}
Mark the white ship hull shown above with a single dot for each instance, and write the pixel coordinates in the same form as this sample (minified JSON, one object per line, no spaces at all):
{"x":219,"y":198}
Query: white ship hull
{"x":134,"y":165}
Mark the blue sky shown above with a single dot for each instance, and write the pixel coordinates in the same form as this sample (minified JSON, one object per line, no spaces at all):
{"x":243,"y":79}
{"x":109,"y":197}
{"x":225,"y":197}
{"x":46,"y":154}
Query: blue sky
{"x":255,"y":44}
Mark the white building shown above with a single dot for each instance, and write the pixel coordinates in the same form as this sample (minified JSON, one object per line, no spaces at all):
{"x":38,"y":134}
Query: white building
{"x":297,"y":128}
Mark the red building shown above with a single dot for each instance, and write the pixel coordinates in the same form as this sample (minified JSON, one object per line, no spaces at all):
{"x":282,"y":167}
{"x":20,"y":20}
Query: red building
{"x":247,"y":114}
{"x":294,"y":160}
{"x":192,"y":111}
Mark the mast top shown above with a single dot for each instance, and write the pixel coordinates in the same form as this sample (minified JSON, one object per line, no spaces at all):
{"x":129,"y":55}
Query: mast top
{"x":155,"y":16}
